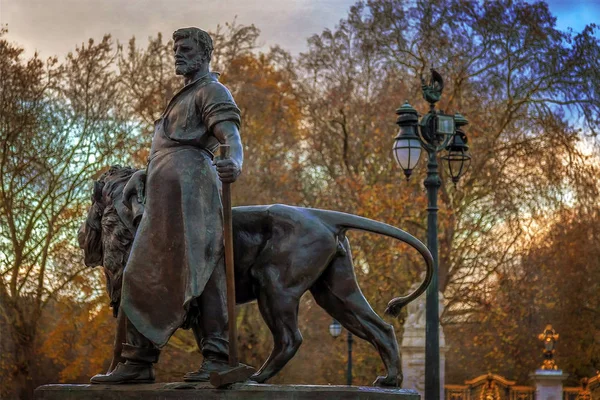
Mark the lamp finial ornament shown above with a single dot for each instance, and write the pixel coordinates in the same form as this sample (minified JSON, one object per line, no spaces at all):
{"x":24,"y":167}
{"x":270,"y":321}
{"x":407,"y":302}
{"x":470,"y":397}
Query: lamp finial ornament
{"x":433,"y":91}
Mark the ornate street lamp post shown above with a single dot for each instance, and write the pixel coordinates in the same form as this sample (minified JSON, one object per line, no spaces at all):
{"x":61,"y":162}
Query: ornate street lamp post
{"x":335,"y":329}
{"x":435,"y":132}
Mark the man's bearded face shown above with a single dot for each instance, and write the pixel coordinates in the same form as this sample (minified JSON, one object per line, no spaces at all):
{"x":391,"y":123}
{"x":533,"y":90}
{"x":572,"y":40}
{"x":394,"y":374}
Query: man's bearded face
{"x":188,"y":56}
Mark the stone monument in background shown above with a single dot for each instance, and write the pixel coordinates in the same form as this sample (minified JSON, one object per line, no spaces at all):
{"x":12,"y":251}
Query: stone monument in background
{"x":413,"y":347}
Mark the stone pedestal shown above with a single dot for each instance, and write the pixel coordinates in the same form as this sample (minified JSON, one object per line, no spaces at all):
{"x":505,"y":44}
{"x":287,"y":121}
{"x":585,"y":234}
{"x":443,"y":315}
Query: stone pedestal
{"x":413,"y":348}
{"x":203,"y":391}
{"x":548,"y":384}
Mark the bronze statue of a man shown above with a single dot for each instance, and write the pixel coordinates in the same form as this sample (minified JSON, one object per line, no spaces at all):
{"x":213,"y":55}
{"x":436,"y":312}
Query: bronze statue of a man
{"x":175,"y":275}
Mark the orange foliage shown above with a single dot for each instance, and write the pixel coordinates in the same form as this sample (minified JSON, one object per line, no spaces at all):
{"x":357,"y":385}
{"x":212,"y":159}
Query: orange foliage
{"x":318,"y":131}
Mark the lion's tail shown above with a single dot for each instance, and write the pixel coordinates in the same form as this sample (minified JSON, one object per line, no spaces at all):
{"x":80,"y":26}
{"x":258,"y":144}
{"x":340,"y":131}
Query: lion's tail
{"x":342,"y":221}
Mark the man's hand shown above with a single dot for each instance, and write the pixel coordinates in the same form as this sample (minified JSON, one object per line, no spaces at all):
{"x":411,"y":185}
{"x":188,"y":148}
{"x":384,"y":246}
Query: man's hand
{"x":228,"y":170}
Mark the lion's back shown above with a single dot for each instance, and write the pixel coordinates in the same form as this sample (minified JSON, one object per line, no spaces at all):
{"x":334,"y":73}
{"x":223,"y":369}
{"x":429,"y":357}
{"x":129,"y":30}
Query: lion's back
{"x":286,"y":227}
{"x":279,"y":216}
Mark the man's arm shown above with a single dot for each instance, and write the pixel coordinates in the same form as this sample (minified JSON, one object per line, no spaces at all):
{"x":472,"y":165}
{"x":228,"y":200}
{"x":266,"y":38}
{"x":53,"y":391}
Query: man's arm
{"x":227,"y":133}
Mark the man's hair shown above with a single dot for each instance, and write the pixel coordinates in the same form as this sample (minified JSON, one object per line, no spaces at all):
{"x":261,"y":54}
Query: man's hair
{"x":200,"y":37}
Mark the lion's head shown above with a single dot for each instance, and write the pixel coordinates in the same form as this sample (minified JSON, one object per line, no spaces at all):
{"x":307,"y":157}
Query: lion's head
{"x":107,"y":233}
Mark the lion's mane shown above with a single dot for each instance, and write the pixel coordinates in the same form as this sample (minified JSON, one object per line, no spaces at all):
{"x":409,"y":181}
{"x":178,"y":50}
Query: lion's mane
{"x":116,"y":235}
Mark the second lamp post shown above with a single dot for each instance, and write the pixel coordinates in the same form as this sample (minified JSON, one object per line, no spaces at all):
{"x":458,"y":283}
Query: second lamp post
{"x":335,"y":329}
{"x":435,"y":132}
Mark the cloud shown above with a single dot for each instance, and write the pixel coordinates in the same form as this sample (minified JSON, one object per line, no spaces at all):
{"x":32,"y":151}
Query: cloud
{"x":56,"y":26}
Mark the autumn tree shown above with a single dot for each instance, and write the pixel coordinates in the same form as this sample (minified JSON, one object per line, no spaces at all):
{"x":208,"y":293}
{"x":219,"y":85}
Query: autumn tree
{"x":64,"y":123}
{"x":557,"y":283}
{"x":530,"y":92}
{"x":318,"y":132}
{"x":60,"y":123}
{"x":505,"y":66}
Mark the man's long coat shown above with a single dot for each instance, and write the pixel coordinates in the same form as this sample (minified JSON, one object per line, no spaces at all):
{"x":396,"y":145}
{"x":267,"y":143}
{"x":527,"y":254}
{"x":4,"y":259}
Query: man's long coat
{"x":180,"y":238}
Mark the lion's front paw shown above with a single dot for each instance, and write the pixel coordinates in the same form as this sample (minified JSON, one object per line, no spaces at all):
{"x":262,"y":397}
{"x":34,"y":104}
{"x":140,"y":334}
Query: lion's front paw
{"x":388,"y":381}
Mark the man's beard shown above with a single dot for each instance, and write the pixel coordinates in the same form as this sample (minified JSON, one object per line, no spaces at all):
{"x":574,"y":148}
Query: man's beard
{"x":189,"y":66}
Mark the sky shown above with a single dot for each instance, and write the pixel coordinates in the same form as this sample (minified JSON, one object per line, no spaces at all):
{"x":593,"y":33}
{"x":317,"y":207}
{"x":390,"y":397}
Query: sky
{"x":54,"y":27}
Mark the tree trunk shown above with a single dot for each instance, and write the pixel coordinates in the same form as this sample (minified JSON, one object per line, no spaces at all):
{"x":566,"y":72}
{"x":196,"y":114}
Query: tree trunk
{"x":24,"y":356}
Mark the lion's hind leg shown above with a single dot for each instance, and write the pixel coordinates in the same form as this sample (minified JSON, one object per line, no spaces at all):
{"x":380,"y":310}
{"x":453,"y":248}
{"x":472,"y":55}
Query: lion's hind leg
{"x":279,"y":309}
{"x":337,"y":292}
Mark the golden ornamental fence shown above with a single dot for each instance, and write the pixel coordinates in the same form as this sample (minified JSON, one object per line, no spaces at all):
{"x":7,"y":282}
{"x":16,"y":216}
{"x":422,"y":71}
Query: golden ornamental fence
{"x":495,"y":387}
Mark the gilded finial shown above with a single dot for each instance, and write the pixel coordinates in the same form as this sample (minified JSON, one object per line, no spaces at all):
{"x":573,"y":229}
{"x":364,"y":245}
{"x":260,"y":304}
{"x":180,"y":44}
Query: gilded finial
{"x":549,"y":337}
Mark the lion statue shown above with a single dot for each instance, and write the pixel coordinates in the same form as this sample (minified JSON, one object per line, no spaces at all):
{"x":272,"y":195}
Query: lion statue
{"x":280,"y":253}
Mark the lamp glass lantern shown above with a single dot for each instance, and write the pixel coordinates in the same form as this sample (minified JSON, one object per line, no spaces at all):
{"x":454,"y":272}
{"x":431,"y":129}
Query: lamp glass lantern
{"x":458,"y":163}
{"x":458,"y":157}
{"x":335,"y":329}
{"x":407,"y":152}
{"x":407,"y":145}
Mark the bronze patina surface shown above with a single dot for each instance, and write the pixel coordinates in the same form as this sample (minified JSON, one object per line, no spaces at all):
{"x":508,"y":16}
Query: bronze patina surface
{"x":280,"y":253}
{"x":175,"y":274}
{"x":159,"y":235}
{"x":179,"y":242}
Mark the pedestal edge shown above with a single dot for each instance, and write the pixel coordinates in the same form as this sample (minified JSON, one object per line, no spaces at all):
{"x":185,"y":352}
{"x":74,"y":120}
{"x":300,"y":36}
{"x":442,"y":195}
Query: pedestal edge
{"x":244,"y":391}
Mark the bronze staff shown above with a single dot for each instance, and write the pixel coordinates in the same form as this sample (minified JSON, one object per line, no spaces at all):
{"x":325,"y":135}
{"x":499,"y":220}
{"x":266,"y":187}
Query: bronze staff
{"x":229,"y":270}
{"x":237,"y":373}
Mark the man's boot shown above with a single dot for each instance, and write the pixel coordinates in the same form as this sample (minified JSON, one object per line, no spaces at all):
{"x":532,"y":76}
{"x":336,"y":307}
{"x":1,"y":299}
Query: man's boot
{"x":130,"y":372}
{"x":138,"y":367}
{"x":208,"y":365}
